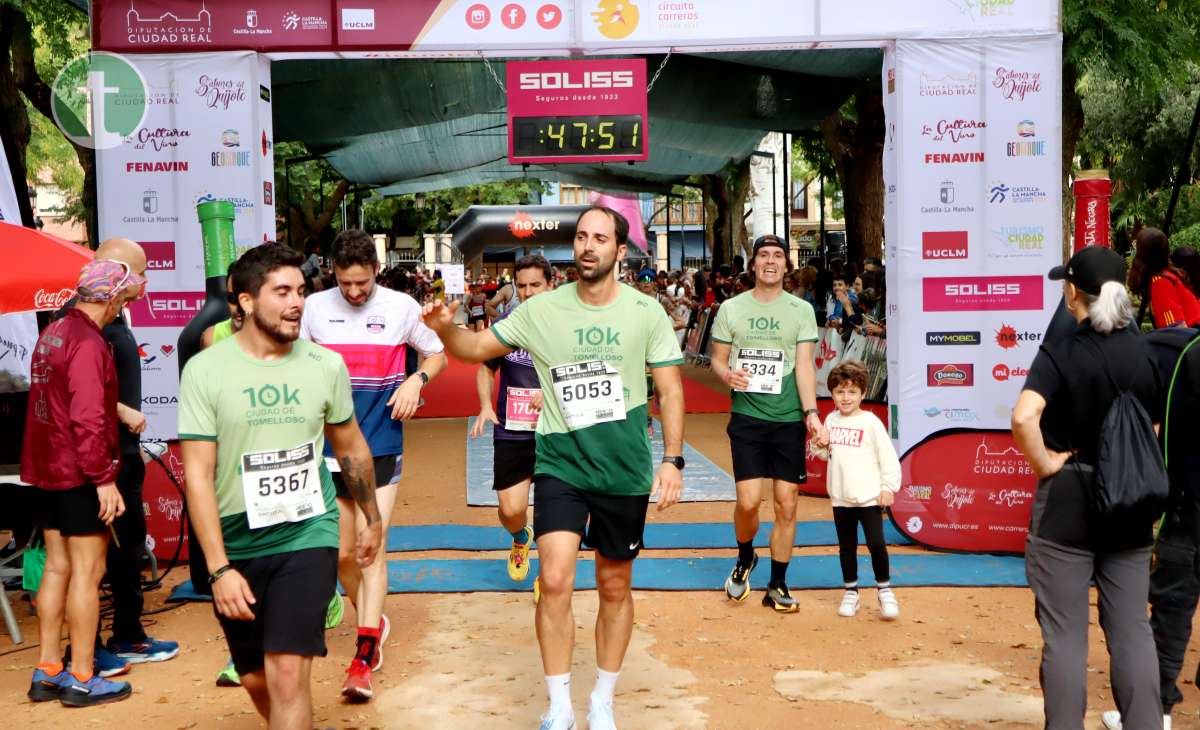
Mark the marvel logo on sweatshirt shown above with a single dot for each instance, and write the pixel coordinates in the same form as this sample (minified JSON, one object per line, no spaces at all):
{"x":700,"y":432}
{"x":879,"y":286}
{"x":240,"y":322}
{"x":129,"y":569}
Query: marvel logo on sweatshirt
{"x":862,"y":460}
{"x":842,"y":436}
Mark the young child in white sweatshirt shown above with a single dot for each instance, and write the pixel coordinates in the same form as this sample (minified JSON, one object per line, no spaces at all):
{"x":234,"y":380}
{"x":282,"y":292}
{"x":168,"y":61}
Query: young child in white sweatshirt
{"x":863,"y":477}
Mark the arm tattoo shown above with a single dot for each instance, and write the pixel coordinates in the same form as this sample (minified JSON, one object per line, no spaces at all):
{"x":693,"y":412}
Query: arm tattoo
{"x":359,"y":476}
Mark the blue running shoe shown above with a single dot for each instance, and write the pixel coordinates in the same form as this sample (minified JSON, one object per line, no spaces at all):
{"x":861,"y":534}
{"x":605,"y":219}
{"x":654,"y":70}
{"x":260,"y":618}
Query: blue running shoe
{"x":45,"y":687}
{"x":95,"y":691}
{"x":104,"y":662}
{"x":109,"y":664}
{"x":150,"y":650}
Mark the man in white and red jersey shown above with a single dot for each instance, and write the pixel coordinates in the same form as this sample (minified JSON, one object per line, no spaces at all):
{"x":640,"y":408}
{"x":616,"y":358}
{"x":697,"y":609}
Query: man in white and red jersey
{"x":371,"y":327}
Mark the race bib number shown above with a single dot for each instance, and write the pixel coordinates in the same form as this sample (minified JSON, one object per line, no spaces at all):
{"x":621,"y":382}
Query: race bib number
{"x":519,"y":414}
{"x":282,"y":486}
{"x":765,"y":368}
{"x":588,"y":393}
{"x":476,"y":311}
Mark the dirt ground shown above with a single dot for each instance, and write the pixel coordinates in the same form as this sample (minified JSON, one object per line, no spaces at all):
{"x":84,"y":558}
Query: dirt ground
{"x":958,"y":658}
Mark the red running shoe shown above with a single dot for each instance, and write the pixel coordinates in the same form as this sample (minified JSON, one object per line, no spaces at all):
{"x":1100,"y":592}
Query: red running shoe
{"x":357,"y":686}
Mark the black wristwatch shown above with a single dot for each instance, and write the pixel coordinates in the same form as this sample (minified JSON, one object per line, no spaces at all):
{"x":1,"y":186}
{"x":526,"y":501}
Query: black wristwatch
{"x":424,"y":376}
{"x":811,"y":411}
{"x":676,"y":461}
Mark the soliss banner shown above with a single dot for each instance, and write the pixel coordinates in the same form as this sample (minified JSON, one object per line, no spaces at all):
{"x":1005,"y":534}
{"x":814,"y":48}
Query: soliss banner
{"x":203,"y":132}
{"x":978,"y":224}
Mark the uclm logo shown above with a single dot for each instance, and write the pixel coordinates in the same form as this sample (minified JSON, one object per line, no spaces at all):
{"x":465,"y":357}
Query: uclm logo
{"x":944,"y":245}
{"x":981,"y":293}
{"x":166,"y":309}
{"x":160,"y":255}
{"x":554,"y":80}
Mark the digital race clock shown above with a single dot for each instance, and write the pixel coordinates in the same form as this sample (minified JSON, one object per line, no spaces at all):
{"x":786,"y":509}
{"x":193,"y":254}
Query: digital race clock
{"x":591,"y":136}
{"x":590,"y":110}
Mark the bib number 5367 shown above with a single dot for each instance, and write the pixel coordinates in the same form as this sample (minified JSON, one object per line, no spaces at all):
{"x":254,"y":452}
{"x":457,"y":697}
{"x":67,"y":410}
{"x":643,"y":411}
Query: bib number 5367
{"x":282,"y":483}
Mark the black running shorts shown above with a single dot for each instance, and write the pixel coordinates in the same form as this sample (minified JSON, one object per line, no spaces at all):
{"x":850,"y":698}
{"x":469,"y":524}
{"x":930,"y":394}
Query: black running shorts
{"x":768,"y":449}
{"x":291,"y":593}
{"x":74,"y":511}
{"x":387,"y":471}
{"x":611,"y":524}
{"x":514,"y":462}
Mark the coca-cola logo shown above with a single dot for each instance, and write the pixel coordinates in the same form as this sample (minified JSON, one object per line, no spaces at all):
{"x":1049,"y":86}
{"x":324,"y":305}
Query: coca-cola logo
{"x":219,"y":93}
{"x":957,"y":497}
{"x":43,"y":299}
{"x":1016,"y":85}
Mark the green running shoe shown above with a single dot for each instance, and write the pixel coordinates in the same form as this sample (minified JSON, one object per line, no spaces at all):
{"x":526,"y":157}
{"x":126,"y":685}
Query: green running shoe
{"x":228,"y":677}
{"x":335,"y":612}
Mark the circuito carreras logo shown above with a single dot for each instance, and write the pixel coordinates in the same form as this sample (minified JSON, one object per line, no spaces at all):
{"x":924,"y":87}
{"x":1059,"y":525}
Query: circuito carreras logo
{"x":616,"y":19}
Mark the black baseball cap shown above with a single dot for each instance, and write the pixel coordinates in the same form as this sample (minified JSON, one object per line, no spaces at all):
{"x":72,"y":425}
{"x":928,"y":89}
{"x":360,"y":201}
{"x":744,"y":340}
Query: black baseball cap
{"x":769,"y":239}
{"x":1091,"y":268}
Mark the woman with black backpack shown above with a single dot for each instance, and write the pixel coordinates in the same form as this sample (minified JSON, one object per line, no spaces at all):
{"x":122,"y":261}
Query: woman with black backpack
{"x":1089,"y":409}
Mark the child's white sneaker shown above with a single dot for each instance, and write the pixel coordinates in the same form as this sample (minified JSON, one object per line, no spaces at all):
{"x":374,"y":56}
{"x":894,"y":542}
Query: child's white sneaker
{"x":849,"y":605}
{"x":889,"y":607}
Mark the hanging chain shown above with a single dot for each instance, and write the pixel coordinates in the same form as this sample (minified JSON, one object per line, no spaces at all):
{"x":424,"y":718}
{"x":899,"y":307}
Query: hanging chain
{"x":661,"y":66}
{"x":492,"y":71}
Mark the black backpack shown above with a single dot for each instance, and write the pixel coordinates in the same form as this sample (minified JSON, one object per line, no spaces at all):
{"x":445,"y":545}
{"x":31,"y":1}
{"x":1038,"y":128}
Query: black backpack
{"x":1130,"y":478}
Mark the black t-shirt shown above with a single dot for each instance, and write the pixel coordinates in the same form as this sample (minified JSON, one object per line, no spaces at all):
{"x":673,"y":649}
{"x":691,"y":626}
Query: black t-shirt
{"x":1076,"y":376}
{"x":129,"y":376}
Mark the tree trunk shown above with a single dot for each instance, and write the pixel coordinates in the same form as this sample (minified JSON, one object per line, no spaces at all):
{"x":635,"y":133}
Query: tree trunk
{"x":306,"y":224}
{"x":12,"y":108}
{"x":718,"y":221}
{"x":739,"y":191}
{"x":857,"y":151}
{"x":38,"y":92}
{"x":1072,"y":130}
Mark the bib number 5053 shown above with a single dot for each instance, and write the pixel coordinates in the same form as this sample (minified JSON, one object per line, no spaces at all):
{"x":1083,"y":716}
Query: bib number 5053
{"x":581,"y":391}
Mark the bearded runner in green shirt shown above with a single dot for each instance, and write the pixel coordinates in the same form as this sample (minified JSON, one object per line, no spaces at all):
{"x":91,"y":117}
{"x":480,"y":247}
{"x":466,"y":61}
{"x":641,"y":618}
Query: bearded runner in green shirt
{"x":762,"y":348}
{"x":590,"y":342}
{"x":254,"y":412}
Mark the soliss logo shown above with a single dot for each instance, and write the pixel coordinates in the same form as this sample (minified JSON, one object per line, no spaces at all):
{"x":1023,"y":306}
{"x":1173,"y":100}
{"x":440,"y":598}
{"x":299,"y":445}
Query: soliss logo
{"x":588,"y":80}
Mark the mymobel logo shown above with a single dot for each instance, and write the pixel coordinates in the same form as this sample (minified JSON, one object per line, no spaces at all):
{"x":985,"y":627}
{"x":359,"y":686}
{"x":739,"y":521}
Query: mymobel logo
{"x":584,"y":80}
{"x":98,"y":100}
{"x":616,"y":19}
{"x":952,"y":338}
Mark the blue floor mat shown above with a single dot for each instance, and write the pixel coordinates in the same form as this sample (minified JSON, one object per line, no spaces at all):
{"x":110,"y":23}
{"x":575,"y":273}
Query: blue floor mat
{"x":658,"y":536}
{"x":703,"y":481}
{"x":696,"y":574}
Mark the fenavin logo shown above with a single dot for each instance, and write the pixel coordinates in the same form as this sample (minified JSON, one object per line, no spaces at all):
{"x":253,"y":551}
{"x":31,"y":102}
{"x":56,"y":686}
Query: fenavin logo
{"x":98,"y":100}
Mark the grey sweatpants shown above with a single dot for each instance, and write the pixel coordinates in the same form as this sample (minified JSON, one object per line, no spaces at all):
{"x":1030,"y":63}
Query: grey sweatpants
{"x":1060,"y":576}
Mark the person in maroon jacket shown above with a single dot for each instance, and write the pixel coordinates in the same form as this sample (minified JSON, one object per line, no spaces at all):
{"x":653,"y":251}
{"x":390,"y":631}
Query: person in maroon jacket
{"x":71,"y":454}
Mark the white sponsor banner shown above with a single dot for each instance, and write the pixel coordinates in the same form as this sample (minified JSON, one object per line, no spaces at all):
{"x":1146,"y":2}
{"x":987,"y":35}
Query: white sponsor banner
{"x":9,"y":210}
{"x":18,"y":336}
{"x":978,"y":208}
{"x":207,"y":136}
{"x":647,"y":23}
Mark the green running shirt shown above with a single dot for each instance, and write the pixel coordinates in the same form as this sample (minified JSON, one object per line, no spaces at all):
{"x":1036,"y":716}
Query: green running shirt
{"x":557,"y":329}
{"x":250,"y":406}
{"x":743,"y":321}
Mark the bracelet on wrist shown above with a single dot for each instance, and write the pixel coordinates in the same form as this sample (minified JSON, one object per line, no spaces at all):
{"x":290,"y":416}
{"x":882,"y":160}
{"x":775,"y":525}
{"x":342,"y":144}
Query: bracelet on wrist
{"x":216,"y":574}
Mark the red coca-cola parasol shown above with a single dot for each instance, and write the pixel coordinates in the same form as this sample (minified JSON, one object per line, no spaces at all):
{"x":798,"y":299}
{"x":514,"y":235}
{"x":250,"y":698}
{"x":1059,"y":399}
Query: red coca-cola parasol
{"x":39,"y":271}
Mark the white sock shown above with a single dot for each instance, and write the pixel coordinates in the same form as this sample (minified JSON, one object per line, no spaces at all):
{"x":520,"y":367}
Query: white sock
{"x":606,"y":683}
{"x":559,"y":688}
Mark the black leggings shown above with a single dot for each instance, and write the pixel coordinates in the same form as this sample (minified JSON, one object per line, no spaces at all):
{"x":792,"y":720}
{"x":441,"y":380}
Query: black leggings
{"x":847,"y":519}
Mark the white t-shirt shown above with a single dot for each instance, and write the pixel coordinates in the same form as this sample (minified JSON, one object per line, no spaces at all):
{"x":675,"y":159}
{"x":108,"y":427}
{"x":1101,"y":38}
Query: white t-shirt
{"x":862,"y":461}
{"x":373,"y":339}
